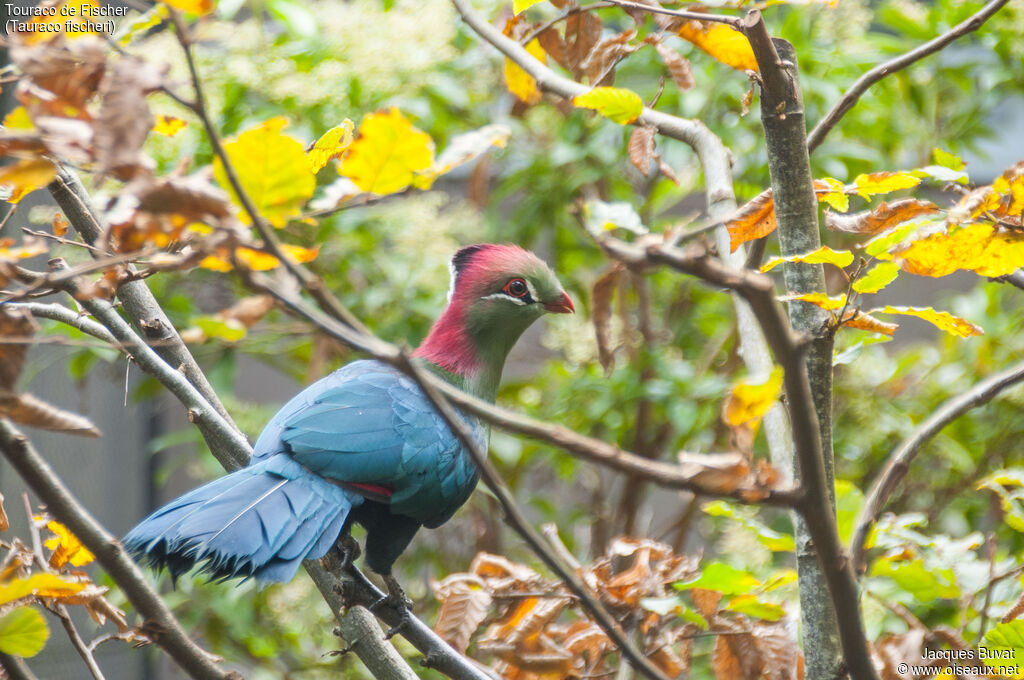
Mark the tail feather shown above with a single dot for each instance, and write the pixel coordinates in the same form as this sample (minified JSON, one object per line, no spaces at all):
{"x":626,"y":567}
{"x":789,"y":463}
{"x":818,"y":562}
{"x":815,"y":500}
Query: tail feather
{"x":260,"y":521}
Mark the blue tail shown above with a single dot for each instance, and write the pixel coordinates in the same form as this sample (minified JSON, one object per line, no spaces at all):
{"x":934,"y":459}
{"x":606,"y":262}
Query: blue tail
{"x":260,"y":522}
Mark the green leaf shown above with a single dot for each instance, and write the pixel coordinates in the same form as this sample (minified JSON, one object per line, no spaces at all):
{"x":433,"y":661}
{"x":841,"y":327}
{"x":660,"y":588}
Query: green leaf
{"x":1006,"y":640}
{"x":614,"y":103}
{"x":947,"y":160}
{"x":877,"y":246}
{"x":749,"y":604}
{"x":914,"y":577}
{"x":722,"y":578}
{"x":228,"y":330}
{"x":849,"y":501}
{"x":23,"y":632}
{"x":880,"y":276}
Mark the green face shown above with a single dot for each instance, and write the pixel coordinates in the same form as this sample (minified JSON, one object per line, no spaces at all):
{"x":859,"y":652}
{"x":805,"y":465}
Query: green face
{"x":510,"y":301}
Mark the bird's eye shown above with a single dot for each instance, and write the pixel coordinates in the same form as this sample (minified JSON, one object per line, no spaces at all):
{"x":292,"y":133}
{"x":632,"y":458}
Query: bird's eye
{"x":516,"y":288}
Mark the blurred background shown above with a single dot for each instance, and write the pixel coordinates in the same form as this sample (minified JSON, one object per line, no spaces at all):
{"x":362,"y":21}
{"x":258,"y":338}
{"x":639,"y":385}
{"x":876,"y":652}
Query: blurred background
{"x":317,"y":63}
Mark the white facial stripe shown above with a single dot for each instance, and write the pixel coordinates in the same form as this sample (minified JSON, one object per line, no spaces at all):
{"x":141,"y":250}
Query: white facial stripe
{"x":451,"y":281}
{"x":492,"y":296}
{"x":529,"y":287}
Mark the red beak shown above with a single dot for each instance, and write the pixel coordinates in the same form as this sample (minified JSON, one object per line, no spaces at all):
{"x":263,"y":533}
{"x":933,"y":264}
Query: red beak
{"x":562,"y":305}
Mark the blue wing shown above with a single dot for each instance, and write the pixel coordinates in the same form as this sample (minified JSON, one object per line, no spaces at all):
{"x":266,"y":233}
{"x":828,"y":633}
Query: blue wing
{"x":368,"y":424}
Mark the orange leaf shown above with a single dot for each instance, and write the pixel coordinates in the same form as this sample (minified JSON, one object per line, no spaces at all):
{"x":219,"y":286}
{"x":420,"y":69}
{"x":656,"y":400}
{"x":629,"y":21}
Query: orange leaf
{"x":884,"y":217}
{"x":722,"y":42}
{"x":66,"y":547}
{"x":192,"y":6}
{"x":387,"y":153}
{"x":519,"y":82}
{"x":866,"y":322}
{"x":26,"y":176}
{"x":753,"y":221}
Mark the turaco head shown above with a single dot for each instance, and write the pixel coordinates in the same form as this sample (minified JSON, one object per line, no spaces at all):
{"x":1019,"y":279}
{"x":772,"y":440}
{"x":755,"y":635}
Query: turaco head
{"x":496,"y":292}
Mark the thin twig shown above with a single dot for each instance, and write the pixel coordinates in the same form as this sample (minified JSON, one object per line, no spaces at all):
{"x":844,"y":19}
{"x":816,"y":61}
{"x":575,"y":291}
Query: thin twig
{"x":682,"y":14}
{"x":312,"y":284}
{"x":529,"y":37}
{"x":899,"y":460}
{"x":851,"y":96}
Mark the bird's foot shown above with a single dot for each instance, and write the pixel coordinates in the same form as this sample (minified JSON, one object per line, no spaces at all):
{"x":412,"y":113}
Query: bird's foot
{"x":349,"y":551}
{"x":395,"y":599}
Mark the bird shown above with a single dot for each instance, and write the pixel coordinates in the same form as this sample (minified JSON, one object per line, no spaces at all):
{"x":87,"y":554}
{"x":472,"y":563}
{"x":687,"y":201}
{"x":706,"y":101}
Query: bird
{"x":361,"y":445}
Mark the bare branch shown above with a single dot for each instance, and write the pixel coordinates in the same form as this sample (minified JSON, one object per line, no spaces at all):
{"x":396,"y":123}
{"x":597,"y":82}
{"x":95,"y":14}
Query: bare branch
{"x":898,"y":463}
{"x":682,"y":14}
{"x":853,"y":95}
{"x":15,"y":667}
{"x":160,"y":622}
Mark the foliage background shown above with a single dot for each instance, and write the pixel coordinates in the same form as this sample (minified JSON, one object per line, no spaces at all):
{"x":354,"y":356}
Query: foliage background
{"x":317,"y":63}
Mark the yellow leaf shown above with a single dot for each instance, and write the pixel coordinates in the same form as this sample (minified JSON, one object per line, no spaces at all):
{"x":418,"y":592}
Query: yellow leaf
{"x":615,"y":103}
{"x":884,"y":182}
{"x":387,"y":153}
{"x":257,"y":260}
{"x":28,"y":248}
{"x":818,"y":300}
{"x":18,"y":119}
{"x":833,"y":192}
{"x":26,"y":176}
{"x":192,"y":6}
{"x":168,"y":125}
{"x":332,"y":144}
{"x":43,"y":585}
{"x":722,"y":42}
{"x":750,"y":401}
{"x":753,"y":221}
{"x":66,"y":547}
{"x":824,"y":254}
{"x":273,"y":170}
{"x":953,"y":325}
{"x":981,"y":247}
{"x":523,"y":5}
{"x":519,"y":82}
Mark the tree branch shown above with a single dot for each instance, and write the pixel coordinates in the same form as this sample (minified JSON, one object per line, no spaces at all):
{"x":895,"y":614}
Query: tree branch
{"x":160,"y":624}
{"x":853,"y":95}
{"x":898,"y":463}
{"x":138,"y":300}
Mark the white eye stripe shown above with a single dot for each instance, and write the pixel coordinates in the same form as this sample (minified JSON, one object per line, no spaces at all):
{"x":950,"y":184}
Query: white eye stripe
{"x":506,"y":296}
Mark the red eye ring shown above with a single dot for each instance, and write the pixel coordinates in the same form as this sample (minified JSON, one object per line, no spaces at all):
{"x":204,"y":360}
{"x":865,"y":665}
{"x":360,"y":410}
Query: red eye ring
{"x":517,"y":288}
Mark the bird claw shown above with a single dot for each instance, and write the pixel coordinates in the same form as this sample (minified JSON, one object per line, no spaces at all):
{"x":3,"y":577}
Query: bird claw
{"x":349,"y":551}
{"x":395,"y":599}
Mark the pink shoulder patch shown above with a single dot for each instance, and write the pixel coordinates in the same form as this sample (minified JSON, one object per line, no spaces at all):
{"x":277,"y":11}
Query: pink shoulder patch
{"x":385,"y":490}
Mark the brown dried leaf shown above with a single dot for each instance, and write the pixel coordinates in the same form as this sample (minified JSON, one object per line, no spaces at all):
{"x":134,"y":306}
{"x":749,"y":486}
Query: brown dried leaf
{"x":552,"y":42}
{"x":588,"y":640}
{"x":678,"y":66}
{"x":125,"y":120}
{"x":667,"y":170}
{"x":5,"y":523}
{"x":723,"y":472}
{"x":465,"y":601}
{"x":736,"y":655}
{"x":488,"y":566}
{"x":15,"y":324}
{"x":60,"y":224}
{"x":604,"y":292}
{"x":777,"y":648}
{"x":68,"y":71}
{"x":706,"y":601}
{"x":671,"y":664}
{"x":884,"y":217}
{"x":600,"y":63}
{"x":249,"y":310}
{"x":892,"y":650}
{"x":753,"y":221}
{"x":641,"y":148}
{"x":29,"y":410}
{"x":582,"y":33}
